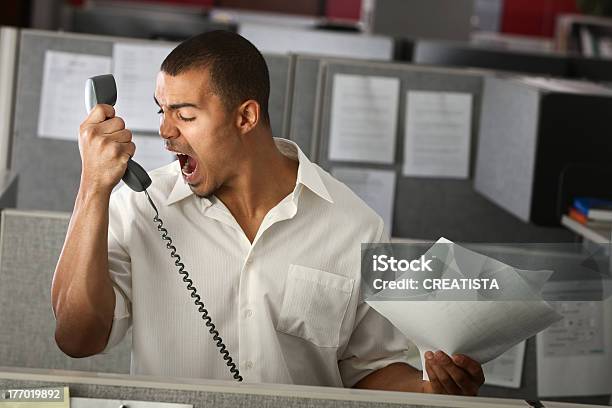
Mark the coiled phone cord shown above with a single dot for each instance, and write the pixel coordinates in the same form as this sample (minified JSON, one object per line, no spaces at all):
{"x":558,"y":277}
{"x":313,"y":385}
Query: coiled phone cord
{"x":194,"y":294}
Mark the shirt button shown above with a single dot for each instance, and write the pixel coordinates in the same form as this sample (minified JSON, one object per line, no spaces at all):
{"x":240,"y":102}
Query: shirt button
{"x":249,"y":313}
{"x":248,"y":261}
{"x":248,"y":364}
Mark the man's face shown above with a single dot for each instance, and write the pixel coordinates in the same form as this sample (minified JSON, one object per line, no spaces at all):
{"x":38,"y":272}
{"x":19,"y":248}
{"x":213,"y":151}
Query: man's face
{"x":197,"y":128}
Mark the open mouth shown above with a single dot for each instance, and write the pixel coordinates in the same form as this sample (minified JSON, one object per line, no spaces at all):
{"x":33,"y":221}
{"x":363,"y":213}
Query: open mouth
{"x":188,"y":164}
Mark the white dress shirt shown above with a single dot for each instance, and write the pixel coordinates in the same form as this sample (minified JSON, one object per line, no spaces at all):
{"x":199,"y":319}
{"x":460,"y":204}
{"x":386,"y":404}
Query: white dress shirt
{"x":287,"y":306}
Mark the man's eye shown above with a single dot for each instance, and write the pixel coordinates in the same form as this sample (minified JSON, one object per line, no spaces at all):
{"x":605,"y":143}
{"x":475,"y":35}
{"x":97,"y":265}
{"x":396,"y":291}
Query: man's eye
{"x":159,"y":112}
{"x":184,"y":119}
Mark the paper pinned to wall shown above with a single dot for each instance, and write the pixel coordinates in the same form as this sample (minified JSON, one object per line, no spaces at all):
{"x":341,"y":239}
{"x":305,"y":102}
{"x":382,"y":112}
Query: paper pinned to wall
{"x":437,"y":135}
{"x":62,"y":100}
{"x":364,"y":118}
{"x":507,"y":369}
{"x":135,"y":67}
{"x":579,"y":346}
{"x":375,"y":187}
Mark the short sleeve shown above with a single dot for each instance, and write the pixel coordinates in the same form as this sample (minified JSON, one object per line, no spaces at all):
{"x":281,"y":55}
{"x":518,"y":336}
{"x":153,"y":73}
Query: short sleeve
{"x":119,"y":265}
{"x":375,"y":342}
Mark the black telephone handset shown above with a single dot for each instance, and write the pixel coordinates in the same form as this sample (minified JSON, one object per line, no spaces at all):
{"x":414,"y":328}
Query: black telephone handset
{"x":103,"y":89}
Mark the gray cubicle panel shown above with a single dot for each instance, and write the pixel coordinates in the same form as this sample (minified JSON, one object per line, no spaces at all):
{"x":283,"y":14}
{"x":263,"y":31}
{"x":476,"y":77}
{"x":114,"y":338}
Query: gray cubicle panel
{"x":567,"y":261}
{"x":307,"y":85}
{"x":30,"y":244}
{"x":304,"y":99}
{"x":280,"y":67}
{"x":221,"y":394}
{"x":49,"y":169}
{"x":457,"y":54}
{"x":428,"y":208}
{"x":9,"y":46}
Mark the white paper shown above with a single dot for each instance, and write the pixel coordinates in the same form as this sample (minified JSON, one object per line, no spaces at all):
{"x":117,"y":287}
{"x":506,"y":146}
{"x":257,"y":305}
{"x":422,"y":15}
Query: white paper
{"x":115,"y":403}
{"x":135,"y":67}
{"x":480,"y":329}
{"x":364,"y":118}
{"x":437,"y":136}
{"x":574,"y":357}
{"x":62,"y":99}
{"x":150,"y":152}
{"x":375,"y":187}
{"x":507,"y":369}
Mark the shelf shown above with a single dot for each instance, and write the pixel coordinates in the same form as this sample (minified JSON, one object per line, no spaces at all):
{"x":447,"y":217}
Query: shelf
{"x":597,"y":235}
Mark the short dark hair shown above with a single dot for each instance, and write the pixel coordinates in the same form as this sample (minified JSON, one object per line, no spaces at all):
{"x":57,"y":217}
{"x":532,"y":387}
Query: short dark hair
{"x":237,"y":69}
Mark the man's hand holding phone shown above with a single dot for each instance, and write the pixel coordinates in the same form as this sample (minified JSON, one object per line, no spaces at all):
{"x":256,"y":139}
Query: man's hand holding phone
{"x":105,"y":146}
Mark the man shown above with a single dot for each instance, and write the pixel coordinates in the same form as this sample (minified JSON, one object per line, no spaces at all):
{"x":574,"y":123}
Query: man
{"x":270,"y":240}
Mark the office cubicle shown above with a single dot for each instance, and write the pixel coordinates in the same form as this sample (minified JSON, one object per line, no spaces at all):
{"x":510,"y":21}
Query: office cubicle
{"x":52,"y":183}
{"x":423,"y":207}
{"x":527,"y":151}
{"x":427,"y":207}
{"x":30,"y":244}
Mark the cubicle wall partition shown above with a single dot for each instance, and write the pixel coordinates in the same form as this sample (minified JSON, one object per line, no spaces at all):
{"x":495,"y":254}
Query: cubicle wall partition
{"x":427,"y":207}
{"x":304,"y":101}
{"x":30,"y":244}
{"x":9,"y":40}
{"x":528,"y":157}
{"x":455,"y":54}
{"x":49,"y":168}
{"x":137,"y":392}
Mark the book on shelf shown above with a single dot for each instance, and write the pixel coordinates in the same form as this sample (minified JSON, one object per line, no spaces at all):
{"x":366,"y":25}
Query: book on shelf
{"x":593,"y":209}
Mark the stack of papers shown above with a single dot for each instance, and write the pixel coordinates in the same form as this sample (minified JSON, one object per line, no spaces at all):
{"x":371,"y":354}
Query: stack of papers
{"x":481,"y":324}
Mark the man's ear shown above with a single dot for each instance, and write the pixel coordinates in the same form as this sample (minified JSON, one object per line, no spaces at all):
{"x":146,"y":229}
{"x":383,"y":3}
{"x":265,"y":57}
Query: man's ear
{"x":248,"y":116}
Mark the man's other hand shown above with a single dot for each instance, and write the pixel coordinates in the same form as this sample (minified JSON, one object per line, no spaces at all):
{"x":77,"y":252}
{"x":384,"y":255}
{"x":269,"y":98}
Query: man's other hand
{"x":459,"y":375}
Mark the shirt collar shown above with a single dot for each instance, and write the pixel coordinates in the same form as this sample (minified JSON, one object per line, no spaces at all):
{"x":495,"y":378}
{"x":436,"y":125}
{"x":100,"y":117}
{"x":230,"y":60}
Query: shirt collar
{"x":307,"y":175}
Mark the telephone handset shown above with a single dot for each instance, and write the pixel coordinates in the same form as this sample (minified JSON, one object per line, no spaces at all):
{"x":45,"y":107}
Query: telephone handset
{"x":103,"y":89}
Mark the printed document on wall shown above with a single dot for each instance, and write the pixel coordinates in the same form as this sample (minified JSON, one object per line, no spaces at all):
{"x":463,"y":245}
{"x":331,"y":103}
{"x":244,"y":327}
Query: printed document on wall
{"x":437,"y":134}
{"x":577,"y":346}
{"x":375,"y":187}
{"x":62,"y":100}
{"x":507,"y":369}
{"x":135,"y":67}
{"x":364,"y":118}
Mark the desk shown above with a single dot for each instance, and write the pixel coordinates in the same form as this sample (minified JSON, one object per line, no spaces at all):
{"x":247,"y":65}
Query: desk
{"x":215,"y":393}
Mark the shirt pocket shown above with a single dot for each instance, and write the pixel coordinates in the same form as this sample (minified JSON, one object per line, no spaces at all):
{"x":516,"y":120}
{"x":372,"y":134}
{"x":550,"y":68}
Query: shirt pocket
{"x":314,"y":305}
